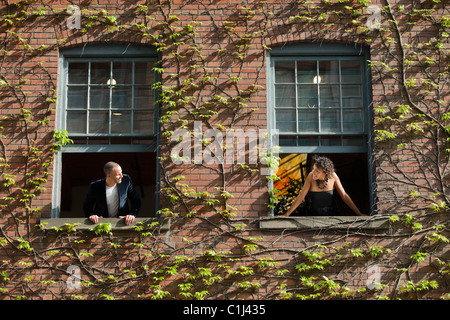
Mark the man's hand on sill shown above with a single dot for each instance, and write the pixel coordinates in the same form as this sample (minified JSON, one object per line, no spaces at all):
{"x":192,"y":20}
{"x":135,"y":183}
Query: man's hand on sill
{"x":129,"y":219}
{"x":84,"y":223}
{"x":94,"y":218}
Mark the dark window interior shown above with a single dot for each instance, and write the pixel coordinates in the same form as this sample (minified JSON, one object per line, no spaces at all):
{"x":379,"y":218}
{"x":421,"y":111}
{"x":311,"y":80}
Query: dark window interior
{"x":80,"y":169}
{"x":351,"y":168}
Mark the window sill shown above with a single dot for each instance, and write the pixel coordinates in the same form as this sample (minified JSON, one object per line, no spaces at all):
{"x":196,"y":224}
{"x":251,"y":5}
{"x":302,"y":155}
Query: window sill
{"x":116,"y":224}
{"x":342,"y":222}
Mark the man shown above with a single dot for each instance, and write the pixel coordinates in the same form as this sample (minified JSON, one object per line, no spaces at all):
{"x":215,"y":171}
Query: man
{"x":108,"y":197}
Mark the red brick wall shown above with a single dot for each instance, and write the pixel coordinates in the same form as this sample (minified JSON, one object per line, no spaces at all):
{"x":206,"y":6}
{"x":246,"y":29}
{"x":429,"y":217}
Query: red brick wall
{"x":133,"y":265}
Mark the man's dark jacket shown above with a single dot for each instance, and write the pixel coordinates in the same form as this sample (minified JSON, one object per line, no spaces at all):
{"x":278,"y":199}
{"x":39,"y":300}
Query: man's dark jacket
{"x":95,"y":202}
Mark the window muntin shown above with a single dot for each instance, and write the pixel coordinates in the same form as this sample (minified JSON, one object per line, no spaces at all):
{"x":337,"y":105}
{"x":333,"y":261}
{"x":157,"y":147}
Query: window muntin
{"x":110,"y":101}
{"x":320,"y":101}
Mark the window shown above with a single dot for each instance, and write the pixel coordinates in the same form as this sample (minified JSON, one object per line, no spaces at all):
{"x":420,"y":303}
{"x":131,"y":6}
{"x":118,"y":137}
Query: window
{"x":319,"y":102}
{"x":107,"y":105}
{"x":110,"y":101}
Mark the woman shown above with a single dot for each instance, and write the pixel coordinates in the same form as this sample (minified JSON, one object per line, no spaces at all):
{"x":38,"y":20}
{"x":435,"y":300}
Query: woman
{"x":320,"y":184}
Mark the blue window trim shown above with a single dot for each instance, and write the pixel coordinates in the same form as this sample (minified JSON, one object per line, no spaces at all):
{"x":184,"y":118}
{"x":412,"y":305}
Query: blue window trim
{"x":319,"y":51}
{"x":91,"y":53}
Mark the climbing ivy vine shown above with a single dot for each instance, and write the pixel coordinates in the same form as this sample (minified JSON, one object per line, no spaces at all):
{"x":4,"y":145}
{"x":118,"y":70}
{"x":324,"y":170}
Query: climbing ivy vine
{"x":207,"y":82}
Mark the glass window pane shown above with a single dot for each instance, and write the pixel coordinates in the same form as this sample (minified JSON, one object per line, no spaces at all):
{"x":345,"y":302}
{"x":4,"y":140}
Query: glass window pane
{"x":353,"y":141}
{"x":307,"y":91}
{"x":120,"y":140}
{"x":308,"y":141}
{"x":121,"y":122}
{"x":329,"y":71}
{"x":308,"y":103}
{"x":143,"y":98}
{"x":330,"y":141}
{"x":121,"y":97}
{"x":285,"y":96}
{"x":286,"y":126}
{"x":76,"y":122}
{"x":351,"y":91}
{"x":285,"y":120}
{"x":78,"y":73}
{"x":99,"y":98}
{"x":287,"y":141}
{"x":98,"y":122}
{"x":329,"y":96}
{"x":353,"y":120}
{"x":143,"y":140}
{"x":77,"y":97}
{"x":123,"y":72}
{"x":330,"y":120}
{"x":285,"y":71}
{"x":306,"y":71}
{"x":285,"y":115}
{"x":98,"y":140}
{"x":109,"y":91}
{"x":143,"y":73}
{"x":307,"y":96}
{"x":143,"y":122}
{"x":329,"y":91}
{"x":330,"y":103}
{"x":100,"y":72}
{"x":79,"y":140}
{"x":350,"y":71}
{"x":308,"y":120}
{"x":352,"y":103}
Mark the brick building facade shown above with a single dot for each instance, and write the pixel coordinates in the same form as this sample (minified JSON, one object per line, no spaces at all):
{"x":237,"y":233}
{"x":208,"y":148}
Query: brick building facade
{"x":174,"y":91}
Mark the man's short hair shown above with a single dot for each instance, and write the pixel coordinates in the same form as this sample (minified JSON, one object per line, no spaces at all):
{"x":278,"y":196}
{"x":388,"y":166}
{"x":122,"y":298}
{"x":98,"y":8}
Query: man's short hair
{"x":109,"y":167}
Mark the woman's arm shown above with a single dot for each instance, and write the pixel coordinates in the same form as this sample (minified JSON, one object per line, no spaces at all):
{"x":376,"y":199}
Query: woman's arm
{"x":301,"y":196}
{"x":345,"y":197}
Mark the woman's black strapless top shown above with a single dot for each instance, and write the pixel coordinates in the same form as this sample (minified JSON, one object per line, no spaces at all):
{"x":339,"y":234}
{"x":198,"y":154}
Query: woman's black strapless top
{"x":323,"y":203}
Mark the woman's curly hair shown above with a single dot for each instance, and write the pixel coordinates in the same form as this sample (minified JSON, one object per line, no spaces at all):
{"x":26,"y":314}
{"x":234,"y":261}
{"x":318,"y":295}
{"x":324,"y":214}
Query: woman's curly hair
{"x":325,"y":164}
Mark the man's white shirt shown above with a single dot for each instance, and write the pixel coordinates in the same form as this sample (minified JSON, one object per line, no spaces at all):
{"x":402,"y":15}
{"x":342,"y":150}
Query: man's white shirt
{"x":112,"y":200}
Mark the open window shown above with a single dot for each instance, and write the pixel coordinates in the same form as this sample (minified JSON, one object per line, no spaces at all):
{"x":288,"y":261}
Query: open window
{"x":319,"y":101}
{"x":352,"y":169}
{"x":107,"y":106}
{"x":80,"y":169}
